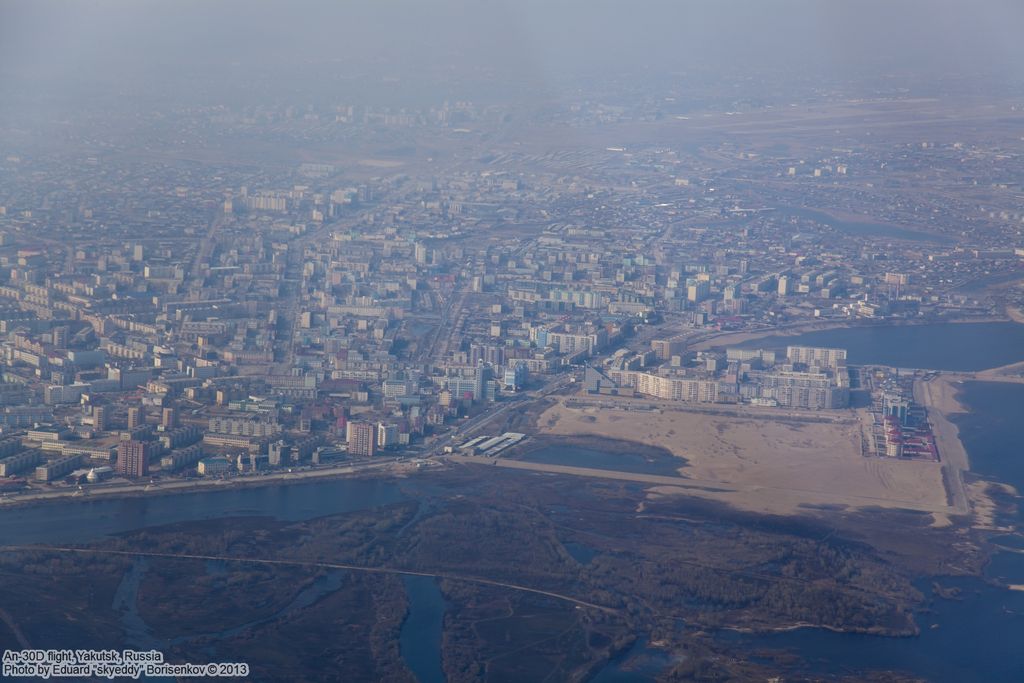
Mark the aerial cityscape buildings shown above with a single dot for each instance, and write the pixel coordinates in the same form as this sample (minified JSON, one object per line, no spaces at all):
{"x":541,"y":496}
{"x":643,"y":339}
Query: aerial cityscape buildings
{"x":526,"y":340}
{"x":246,"y":312}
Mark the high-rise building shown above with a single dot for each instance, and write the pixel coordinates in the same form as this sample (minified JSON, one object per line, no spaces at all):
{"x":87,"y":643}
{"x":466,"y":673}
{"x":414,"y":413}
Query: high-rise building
{"x":278,"y":453}
{"x":99,"y":418}
{"x":136,"y":417}
{"x":474,"y":385}
{"x":515,"y":376}
{"x":822,"y":357}
{"x":387,"y":435}
{"x":897,"y":406}
{"x":422,"y":254}
{"x":168,"y":418}
{"x":60,"y":337}
{"x":697,"y":290}
{"x":785,"y":285}
{"x":666,"y":348}
{"x":362,"y":438}
{"x":133,"y":458}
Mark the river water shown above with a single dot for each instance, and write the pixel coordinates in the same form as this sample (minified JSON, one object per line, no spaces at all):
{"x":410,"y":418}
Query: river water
{"x":420,"y":638}
{"x":622,"y":461}
{"x":940,"y":346}
{"x":86,"y":520}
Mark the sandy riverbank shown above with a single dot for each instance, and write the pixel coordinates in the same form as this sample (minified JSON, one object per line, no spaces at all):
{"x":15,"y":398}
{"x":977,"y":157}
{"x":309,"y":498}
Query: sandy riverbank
{"x":940,"y":396}
{"x":776,"y":466}
{"x":1014,"y":372}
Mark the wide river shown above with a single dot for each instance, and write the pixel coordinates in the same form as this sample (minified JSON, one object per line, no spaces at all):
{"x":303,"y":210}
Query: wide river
{"x":940,"y":346}
{"x":972,"y":639}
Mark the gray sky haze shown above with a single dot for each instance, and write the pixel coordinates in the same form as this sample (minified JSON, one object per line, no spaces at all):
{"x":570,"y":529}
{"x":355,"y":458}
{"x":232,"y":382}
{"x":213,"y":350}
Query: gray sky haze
{"x":84,"y":46}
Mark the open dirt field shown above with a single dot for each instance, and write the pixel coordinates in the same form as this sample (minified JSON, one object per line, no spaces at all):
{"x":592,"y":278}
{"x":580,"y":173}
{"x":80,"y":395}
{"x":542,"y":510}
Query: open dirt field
{"x":763,"y":465}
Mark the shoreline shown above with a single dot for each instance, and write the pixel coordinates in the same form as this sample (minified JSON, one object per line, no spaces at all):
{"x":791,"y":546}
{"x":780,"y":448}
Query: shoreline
{"x":822,"y":627}
{"x":196,"y":486}
{"x":940,"y":398}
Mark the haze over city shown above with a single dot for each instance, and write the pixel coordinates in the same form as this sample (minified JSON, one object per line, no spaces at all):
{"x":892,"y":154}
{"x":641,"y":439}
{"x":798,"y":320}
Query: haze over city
{"x":537,"y":341}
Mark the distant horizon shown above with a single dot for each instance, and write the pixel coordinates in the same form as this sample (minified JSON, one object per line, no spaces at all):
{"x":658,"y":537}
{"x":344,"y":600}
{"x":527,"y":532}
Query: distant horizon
{"x":237,"y":49}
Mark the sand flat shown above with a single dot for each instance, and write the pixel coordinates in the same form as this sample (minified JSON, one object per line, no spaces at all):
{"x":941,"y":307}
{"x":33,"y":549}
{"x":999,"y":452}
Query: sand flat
{"x":765,"y":465}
